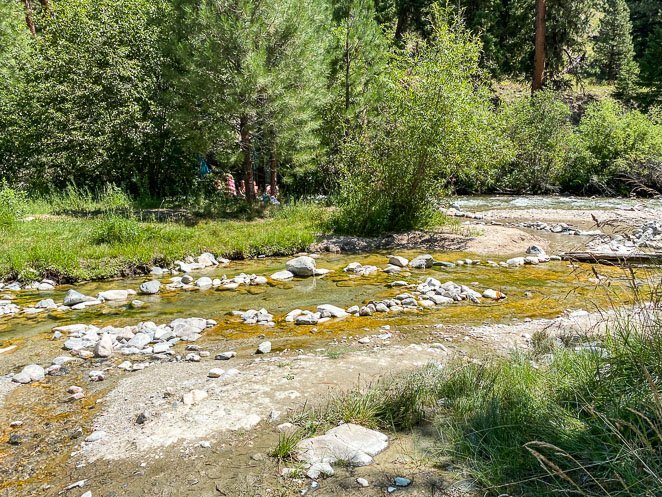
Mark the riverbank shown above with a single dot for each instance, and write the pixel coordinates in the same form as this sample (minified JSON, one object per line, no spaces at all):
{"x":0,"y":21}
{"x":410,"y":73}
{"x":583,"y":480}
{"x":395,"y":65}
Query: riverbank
{"x":167,"y":391}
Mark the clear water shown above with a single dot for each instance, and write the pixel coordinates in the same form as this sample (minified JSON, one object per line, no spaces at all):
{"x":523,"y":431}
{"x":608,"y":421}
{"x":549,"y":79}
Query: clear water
{"x":533,"y":291}
{"x":477,"y":203}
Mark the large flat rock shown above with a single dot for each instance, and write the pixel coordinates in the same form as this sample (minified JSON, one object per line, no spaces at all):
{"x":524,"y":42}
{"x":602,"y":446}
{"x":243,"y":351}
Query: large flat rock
{"x":349,"y":443}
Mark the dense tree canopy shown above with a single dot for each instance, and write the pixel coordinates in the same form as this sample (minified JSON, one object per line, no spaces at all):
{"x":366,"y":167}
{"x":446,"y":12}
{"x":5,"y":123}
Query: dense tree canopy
{"x":137,"y":92}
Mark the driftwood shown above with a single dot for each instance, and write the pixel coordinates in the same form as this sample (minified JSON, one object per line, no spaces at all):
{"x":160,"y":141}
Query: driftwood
{"x":619,"y":259}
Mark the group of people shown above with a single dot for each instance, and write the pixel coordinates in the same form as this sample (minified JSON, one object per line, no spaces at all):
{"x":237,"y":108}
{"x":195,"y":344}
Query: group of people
{"x":228,"y":185}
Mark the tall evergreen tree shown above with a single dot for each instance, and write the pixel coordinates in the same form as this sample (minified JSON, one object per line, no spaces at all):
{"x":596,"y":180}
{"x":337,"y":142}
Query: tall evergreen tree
{"x":256,"y":76}
{"x":614,"y":50}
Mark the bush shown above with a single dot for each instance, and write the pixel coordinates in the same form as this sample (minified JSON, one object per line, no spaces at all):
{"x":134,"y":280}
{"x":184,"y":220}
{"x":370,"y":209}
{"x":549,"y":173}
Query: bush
{"x":434,"y":129}
{"x":13,"y":205}
{"x":541,"y":135}
{"x":117,"y":229}
{"x":625,"y":148}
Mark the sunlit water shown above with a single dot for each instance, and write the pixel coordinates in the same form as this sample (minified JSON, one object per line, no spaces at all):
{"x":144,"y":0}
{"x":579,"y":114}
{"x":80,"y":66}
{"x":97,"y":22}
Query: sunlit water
{"x":476,"y":203}
{"x":546,"y":290}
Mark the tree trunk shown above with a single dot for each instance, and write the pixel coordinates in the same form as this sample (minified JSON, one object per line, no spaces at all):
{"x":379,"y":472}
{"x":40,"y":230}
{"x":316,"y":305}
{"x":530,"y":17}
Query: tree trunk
{"x":273,"y":169}
{"x":29,"y":19}
{"x":347,"y":71}
{"x":539,"y":62}
{"x":248,"y":162}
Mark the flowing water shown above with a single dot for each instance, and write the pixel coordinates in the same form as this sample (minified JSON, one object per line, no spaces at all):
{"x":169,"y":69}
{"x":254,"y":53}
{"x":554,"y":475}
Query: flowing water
{"x":541,"y":291}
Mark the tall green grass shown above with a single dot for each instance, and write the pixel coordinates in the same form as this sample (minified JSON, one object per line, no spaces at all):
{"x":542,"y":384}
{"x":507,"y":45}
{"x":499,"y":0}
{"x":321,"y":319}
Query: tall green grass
{"x":115,"y":244}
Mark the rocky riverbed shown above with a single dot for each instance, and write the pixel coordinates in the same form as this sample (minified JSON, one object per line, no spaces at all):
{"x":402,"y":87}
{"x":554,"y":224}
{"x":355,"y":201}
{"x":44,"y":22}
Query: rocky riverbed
{"x":182,"y":382}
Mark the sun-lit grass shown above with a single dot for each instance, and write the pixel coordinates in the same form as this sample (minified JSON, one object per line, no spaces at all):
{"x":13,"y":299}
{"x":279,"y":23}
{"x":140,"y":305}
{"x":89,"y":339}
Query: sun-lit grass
{"x":71,"y":248}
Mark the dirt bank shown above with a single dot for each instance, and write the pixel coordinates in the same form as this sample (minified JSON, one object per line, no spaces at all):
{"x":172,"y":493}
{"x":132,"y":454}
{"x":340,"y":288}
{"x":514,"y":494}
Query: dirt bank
{"x":485,"y":240}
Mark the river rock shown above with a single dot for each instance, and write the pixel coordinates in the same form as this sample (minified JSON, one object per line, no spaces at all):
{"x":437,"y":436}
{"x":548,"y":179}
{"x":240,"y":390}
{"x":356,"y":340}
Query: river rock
{"x":422,"y":262}
{"x":215,"y":373}
{"x":282,"y":276}
{"x":493,"y":294}
{"x":225,"y":356}
{"x":114,"y":295}
{"x":348,"y":443}
{"x":46,"y":304}
{"x":308,"y":318}
{"x":34,"y":372}
{"x":73,"y":297}
{"x":104,"y":347}
{"x":516,"y":261}
{"x":365,"y":311}
{"x":204,"y":282}
{"x":535,"y":250}
{"x":398,"y":261}
{"x":334,"y":311}
{"x":301,"y":266}
{"x":139,"y":340}
{"x":21,"y":378}
{"x":354,"y":309}
{"x":150,"y":287}
{"x":264,"y":348}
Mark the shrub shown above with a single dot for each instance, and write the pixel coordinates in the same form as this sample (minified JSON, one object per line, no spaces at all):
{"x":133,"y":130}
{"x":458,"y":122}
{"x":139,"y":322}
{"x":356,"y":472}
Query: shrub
{"x":541,"y":135}
{"x":433,"y":129}
{"x":13,"y":205}
{"x":625,"y":148}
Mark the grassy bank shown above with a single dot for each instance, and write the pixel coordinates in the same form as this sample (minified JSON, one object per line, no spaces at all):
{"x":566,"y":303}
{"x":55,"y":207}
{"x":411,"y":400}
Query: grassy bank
{"x":558,"y":421}
{"x":110,"y":244}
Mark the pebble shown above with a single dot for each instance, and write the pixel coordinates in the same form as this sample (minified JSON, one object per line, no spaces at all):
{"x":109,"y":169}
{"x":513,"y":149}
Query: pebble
{"x":96,"y":375}
{"x":225,"y":356}
{"x":362,"y":482}
{"x":95,"y":436}
{"x":400,"y":481}
{"x":215,"y":373}
{"x":264,"y":348}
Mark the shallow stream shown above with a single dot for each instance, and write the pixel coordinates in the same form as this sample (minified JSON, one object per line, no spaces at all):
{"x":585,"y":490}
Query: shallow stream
{"x":541,"y":291}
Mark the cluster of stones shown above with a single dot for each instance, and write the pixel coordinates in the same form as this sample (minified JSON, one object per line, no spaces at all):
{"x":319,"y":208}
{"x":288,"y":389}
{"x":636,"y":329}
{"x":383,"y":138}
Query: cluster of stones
{"x":324,"y":313}
{"x":7,"y":307}
{"x":15,"y":286}
{"x":252,"y":316}
{"x":536,"y":256}
{"x":455,"y":212}
{"x":145,"y":338}
{"x":188,"y":265}
{"x":73,"y":300}
{"x":186,"y":282}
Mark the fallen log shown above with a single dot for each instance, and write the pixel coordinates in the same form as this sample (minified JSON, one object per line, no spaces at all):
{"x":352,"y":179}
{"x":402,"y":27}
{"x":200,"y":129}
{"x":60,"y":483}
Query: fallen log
{"x":614,"y":258}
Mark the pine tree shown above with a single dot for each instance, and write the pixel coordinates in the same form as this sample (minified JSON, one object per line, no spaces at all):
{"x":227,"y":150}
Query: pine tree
{"x":256,"y":73}
{"x":614,"y":50}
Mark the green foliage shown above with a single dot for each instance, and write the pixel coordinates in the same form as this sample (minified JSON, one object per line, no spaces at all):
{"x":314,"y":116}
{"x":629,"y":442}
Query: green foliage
{"x":540,"y":132}
{"x":117,"y":229}
{"x":71,"y":249}
{"x":13,"y":206}
{"x":78,"y":200}
{"x":614,"y":50}
{"x":586,"y":422}
{"x":429,"y":132}
{"x":622,"y":144}
{"x":589,"y":419}
{"x":87,"y":107}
